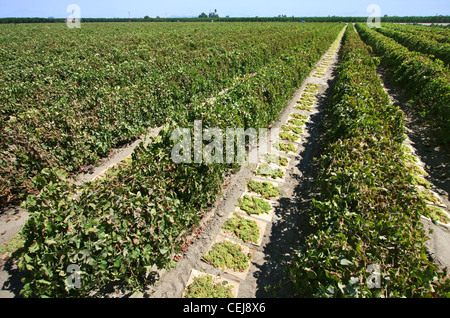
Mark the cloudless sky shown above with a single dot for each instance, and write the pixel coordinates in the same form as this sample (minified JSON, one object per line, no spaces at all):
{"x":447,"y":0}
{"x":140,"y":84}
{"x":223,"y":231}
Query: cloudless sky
{"x":232,"y":8}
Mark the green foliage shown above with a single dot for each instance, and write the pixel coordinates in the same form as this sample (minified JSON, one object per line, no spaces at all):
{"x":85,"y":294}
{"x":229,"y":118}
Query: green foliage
{"x":77,"y":94}
{"x":117,"y":228}
{"x":283,"y":161}
{"x":227,"y":255}
{"x":244,"y":229}
{"x":302,"y":106}
{"x":419,"y":42}
{"x":282,"y":146}
{"x":416,"y":171}
{"x":306,"y":99}
{"x":253,"y":205}
{"x":296,"y":122}
{"x":419,"y":181}
{"x":295,"y":129}
{"x":299,"y":116}
{"x":268,"y":171}
{"x":437,"y":214}
{"x":367,"y":211}
{"x":425,"y":81}
{"x":203,"y":17}
{"x":271,"y":158}
{"x":433,"y":33}
{"x":409,"y":158}
{"x":264,"y":189}
{"x":428,"y":196}
{"x":13,"y":247}
{"x":312,"y":88}
{"x":289,"y":136}
{"x":204,"y":287}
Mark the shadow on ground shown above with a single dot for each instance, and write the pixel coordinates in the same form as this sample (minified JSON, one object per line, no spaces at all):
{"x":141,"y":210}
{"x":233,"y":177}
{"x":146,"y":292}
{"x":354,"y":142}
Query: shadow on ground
{"x":292,"y":227}
{"x":10,"y":279}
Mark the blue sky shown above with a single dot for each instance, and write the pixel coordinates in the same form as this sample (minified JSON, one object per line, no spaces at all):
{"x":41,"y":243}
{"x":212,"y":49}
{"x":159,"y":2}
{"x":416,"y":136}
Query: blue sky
{"x":233,"y":8}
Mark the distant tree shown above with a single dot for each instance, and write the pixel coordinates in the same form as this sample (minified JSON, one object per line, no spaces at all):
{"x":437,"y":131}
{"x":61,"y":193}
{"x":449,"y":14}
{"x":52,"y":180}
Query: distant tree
{"x":213,"y":14}
{"x":203,"y":15}
{"x":146,"y":17}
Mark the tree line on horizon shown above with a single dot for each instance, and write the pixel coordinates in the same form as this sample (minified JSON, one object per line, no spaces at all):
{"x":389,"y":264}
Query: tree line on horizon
{"x":213,"y":15}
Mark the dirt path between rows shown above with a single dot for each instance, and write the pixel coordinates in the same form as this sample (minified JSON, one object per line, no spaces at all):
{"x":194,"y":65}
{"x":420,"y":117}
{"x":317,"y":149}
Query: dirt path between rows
{"x":289,"y":225}
{"x":436,"y":162}
{"x":12,"y":219}
{"x":287,"y":230}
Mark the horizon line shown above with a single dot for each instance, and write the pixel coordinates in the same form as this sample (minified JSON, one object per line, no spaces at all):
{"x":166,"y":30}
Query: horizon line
{"x":226,"y":17}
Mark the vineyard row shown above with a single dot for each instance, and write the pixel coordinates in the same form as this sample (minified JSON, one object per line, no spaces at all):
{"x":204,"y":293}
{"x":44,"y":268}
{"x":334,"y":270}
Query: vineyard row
{"x":368,"y":240}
